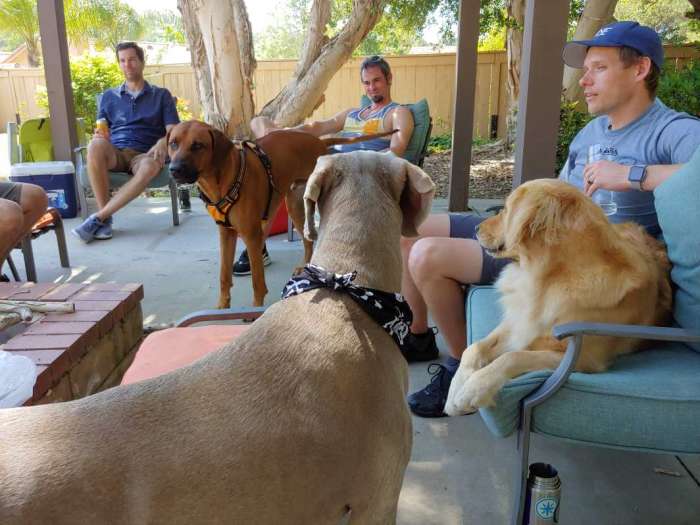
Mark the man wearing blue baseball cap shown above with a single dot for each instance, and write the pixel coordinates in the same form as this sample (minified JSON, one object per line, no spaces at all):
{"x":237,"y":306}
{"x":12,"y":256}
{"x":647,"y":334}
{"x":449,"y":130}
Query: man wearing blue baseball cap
{"x":639,"y":143}
{"x":636,"y":142}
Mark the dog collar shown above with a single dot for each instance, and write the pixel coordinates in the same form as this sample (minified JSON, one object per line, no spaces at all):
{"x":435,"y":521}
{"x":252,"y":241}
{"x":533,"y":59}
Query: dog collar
{"x":389,"y":310}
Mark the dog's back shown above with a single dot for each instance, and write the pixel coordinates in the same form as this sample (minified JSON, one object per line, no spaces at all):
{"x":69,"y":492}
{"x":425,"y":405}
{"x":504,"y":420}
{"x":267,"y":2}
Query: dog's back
{"x":302,"y":419}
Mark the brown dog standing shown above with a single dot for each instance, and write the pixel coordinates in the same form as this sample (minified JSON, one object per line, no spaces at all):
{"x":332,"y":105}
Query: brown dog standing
{"x":202,"y":154}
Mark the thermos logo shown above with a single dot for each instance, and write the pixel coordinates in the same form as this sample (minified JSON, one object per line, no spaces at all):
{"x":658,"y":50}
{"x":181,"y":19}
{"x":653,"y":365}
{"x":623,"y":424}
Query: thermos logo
{"x":545,"y":508}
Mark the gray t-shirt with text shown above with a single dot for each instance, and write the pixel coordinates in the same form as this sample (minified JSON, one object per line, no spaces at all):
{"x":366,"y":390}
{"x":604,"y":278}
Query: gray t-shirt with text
{"x":660,"y":136}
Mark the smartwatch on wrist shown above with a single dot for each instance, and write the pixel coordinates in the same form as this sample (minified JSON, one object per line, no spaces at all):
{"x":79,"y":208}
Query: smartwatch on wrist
{"x":637,"y":175}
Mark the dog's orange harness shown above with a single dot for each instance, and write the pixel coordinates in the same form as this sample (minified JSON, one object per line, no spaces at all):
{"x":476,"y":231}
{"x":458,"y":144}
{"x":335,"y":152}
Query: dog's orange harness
{"x":219,"y":210}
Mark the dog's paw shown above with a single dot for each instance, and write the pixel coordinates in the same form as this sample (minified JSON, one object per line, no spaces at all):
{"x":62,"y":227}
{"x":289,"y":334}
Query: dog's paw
{"x":297,"y":270}
{"x":455,"y":404}
{"x":224,"y":304}
{"x":479,"y":391}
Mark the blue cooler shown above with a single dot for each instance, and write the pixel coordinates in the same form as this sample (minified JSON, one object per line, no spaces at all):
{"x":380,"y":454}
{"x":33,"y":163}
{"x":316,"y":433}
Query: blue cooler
{"x":57,"y":178}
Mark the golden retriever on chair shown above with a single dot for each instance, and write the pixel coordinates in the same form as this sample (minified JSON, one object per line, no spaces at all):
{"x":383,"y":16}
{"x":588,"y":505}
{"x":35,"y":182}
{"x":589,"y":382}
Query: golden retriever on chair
{"x":570,"y":264}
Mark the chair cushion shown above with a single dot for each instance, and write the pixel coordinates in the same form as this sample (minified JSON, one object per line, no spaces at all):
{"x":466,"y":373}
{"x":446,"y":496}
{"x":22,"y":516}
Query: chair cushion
{"x":676,"y":202}
{"x":421,"y":123}
{"x":647,"y":401}
{"x":166,"y":350}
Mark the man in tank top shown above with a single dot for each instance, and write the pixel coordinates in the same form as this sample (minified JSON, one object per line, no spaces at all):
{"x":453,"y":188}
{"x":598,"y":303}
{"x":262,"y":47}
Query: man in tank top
{"x":381,"y":114}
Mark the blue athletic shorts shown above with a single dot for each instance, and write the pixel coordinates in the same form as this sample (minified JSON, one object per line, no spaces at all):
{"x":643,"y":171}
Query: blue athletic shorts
{"x":463,"y":226}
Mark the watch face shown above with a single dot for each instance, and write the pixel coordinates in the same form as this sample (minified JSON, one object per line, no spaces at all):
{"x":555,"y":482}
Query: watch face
{"x":637,"y":173}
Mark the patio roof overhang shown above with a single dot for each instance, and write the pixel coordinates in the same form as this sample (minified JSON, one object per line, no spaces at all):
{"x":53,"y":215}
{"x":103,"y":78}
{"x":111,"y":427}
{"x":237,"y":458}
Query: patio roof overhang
{"x":538,"y":110}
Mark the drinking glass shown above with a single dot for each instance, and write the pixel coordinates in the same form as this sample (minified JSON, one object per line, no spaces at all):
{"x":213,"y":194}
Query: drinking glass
{"x":603,"y":198}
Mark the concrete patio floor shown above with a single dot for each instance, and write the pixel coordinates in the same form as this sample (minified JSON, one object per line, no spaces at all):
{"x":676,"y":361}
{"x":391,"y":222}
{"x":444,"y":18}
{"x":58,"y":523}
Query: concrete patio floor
{"x":459,"y":473}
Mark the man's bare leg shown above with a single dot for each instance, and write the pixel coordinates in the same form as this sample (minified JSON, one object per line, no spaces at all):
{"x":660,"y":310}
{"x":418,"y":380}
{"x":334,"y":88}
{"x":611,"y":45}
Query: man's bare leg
{"x":11,"y":226}
{"x":439,"y":268}
{"x":17,"y":219}
{"x":145,"y":170}
{"x":434,"y":226}
{"x":33,"y":202}
{"x":101,"y":157}
{"x":261,"y":126}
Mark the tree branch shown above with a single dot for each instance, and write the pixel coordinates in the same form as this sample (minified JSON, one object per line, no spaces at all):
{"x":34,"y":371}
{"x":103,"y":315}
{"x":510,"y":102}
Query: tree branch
{"x":298,"y":98}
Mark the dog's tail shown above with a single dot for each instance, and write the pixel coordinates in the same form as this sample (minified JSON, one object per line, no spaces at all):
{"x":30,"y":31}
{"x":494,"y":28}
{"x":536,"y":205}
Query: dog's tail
{"x":332,"y":141}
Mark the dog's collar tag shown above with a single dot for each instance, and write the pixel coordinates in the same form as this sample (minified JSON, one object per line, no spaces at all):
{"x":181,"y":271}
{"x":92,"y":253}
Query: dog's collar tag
{"x":390,"y":310}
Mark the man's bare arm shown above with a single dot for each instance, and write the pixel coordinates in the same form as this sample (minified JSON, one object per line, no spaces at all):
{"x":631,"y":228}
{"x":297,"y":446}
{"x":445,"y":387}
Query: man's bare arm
{"x":159,"y":151}
{"x":401,"y":119}
{"x":325,"y":127}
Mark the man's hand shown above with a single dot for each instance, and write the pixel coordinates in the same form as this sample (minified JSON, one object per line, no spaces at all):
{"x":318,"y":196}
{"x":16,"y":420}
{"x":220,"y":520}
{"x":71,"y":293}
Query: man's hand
{"x":101,"y":134}
{"x":159,"y":152}
{"x":607,"y":175}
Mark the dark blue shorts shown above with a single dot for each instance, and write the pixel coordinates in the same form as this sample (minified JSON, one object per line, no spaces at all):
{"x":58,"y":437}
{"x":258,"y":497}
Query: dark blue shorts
{"x":463,"y":226}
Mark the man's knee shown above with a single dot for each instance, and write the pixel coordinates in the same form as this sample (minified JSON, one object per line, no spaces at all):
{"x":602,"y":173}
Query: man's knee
{"x":424,"y":261}
{"x":261,"y":126}
{"x":11,"y":219}
{"x":34,"y":199}
{"x":147,"y":169}
{"x":99,"y":150}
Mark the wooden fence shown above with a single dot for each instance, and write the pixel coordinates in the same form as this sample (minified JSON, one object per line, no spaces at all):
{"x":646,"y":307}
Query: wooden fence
{"x":415,"y":77}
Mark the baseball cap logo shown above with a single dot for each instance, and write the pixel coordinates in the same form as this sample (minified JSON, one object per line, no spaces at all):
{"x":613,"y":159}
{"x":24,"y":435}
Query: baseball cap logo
{"x":603,"y":31}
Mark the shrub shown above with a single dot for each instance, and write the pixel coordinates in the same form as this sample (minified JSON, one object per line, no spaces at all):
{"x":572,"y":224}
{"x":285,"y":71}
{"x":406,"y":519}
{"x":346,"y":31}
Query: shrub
{"x":678,"y":89}
{"x":571,"y":120}
{"x":90,"y":75}
{"x":183,"y":109}
{"x":443,"y":143}
{"x":440,"y":143}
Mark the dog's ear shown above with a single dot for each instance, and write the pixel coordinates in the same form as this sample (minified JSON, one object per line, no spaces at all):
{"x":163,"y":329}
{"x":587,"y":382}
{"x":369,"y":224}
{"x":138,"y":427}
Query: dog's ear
{"x":544,"y":213}
{"x":221,"y":146}
{"x":314,"y":187}
{"x":416,"y":198}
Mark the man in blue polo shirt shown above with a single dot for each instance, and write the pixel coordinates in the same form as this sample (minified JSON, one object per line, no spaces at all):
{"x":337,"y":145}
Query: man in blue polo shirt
{"x":138,"y":116}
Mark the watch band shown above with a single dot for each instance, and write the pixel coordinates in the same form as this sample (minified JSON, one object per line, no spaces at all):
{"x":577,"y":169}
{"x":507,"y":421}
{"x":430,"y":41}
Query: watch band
{"x":636,"y":176}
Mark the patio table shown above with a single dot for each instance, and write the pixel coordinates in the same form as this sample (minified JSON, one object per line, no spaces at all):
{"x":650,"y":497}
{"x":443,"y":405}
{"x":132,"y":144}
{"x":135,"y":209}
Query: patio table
{"x":79,"y":353}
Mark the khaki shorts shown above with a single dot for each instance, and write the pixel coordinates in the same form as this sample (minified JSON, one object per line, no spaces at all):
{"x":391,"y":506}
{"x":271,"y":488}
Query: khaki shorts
{"x":10,"y":191}
{"x":128,"y":159}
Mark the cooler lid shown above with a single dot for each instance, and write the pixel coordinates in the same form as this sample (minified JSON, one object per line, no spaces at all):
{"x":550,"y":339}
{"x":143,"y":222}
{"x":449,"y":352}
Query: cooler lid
{"x":58,"y":167}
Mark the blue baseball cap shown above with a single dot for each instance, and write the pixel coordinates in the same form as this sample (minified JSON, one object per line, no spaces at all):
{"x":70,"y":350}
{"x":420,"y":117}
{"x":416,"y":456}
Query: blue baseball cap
{"x":628,"y":34}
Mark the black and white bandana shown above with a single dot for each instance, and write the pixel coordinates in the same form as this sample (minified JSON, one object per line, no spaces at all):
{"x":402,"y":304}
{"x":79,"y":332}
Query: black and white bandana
{"x":390,"y":310}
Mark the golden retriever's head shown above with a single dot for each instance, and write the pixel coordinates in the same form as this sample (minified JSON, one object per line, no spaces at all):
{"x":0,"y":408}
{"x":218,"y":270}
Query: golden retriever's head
{"x":537,"y":214}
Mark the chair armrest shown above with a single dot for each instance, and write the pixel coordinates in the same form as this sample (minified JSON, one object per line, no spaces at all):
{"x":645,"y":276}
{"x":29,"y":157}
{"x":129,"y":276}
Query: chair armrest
{"x":577,"y":330}
{"x":225,"y":314}
{"x":655,"y":333}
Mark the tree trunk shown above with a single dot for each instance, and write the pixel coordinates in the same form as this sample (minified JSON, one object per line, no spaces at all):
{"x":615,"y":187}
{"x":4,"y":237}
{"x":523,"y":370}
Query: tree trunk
{"x":514,"y":51}
{"x":596,"y":14}
{"x":33,"y":52}
{"x":221,"y":47}
{"x":321,"y":59}
{"x":695,"y":13}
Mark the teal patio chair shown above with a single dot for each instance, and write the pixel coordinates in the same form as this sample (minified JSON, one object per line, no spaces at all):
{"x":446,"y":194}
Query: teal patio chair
{"x":648,"y":401}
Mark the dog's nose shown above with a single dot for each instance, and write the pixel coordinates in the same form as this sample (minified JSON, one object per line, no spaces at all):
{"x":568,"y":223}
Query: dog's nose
{"x":182,"y":172}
